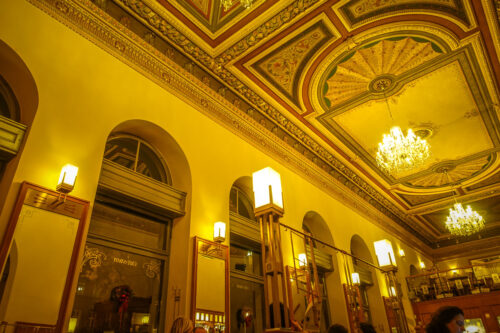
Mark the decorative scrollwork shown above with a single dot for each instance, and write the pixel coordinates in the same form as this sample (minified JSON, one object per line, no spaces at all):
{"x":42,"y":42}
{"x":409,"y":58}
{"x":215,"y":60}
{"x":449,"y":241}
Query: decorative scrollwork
{"x":152,"y":269}
{"x":94,"y":257}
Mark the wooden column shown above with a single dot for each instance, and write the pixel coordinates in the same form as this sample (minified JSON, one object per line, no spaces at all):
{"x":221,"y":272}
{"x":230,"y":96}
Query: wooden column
{"x":275,"y":291}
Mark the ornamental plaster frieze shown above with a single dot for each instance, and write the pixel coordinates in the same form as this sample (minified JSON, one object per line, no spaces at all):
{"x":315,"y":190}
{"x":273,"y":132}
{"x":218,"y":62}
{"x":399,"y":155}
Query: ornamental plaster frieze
{"x":334,"y":177}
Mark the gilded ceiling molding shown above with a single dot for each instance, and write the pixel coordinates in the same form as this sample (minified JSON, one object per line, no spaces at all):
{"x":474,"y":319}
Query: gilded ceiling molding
{"x":443,"y":38}
{"x":356,"y":13}
{"x":478,"y":248}
{"x":84,"y":17}
{"x":448,"y":202}
{"x":215,"y":66}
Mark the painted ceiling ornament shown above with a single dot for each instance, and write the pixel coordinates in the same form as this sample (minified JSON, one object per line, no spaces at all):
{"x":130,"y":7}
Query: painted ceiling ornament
{"x":227,"y":4}
{"x":397,"y":152}
{"x":463,"y":222}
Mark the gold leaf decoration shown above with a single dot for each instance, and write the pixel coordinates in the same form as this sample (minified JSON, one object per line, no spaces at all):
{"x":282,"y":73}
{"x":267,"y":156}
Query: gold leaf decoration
{"x":457,"y":174}
{"x":353,"y":75}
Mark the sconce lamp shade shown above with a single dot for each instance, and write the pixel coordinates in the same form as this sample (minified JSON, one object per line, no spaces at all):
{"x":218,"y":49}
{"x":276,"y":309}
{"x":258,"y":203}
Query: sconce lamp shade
{"x":302,"y":260}
{"x":219,"y":232}
{"x":385,"y":253}
{"x":355,"y":279}
{"x":401,"y":253}
{"x":393,"y":291}
{"x":267,"y":188}
{"x":67,"y":178}
{"x":422,"y":264}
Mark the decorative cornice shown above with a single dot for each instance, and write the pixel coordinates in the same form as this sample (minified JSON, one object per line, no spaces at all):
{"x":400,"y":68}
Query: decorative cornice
{"x":314,"y":162}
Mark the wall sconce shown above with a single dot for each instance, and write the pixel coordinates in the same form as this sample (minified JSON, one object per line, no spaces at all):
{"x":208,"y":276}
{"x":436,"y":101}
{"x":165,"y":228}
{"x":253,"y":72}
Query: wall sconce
{"x":302,"y":260}
{"x":267,"y":188}
{"x":385,"y":254}
{"x":67,"y":178}
{"x":219,"y":232}
{"x":393,"y":291}
{"x":355,"y":279}
{"x":422,"y":264}
{"x":401,"y":253}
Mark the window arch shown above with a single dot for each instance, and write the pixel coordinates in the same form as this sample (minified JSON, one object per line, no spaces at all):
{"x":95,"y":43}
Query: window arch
{"x":9,"y":107}
{"x":136,"y":154}
{"x":240,"y":203}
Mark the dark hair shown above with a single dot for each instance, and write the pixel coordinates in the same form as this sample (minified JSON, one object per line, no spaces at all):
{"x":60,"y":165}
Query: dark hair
{"x":367,"y":328}
{"x":337,"y":328}
{"x":442,"y":317}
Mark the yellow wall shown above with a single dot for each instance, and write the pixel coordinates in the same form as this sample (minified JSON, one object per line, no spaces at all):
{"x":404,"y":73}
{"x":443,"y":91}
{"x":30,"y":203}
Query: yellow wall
{"x":84,"y":93}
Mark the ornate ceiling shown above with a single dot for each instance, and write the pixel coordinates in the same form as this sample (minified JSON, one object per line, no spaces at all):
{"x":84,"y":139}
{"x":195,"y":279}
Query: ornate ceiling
{"x":326,"y":79}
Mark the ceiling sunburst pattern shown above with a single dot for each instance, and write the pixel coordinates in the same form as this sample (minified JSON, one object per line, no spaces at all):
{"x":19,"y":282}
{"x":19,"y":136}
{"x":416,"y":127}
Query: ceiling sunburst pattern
{"x":355,"y":74}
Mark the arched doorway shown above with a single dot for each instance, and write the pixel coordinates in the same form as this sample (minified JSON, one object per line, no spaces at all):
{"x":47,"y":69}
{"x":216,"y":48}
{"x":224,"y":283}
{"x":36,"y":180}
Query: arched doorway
{"x":122,"y":284}
{"x":371,"y":299}
{"x":246,"y":280}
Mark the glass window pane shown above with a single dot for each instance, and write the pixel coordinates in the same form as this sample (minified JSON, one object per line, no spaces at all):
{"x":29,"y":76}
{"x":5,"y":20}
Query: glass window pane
{"x":247,"y":306}
{"x":245,"y":260}
{"x":245,"y":206}
{"x":4,"y":108}
{"x":122,"y":151}
{"x":150,"y":165}
{"x":117,"y":291}
{"x":233,"y":197}
{"x":134,"y":229}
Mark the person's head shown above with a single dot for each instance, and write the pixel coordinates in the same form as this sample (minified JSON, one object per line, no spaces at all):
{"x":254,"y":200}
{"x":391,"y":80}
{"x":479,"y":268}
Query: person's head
{"x":337,"y":328}
{"x":182,"y":325}
{"x":448,"y":319}
{"x":199,"y":330}
{"x":367,"y":328}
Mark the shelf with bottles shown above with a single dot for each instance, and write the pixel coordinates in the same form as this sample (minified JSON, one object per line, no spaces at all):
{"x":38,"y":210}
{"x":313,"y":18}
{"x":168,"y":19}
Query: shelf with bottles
{"x":469,"y":280}
{"x":211,"y":321}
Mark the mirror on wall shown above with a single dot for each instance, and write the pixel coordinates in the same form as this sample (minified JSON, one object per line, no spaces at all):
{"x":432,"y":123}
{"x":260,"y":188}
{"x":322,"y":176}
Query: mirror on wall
{"x":41,"y":246}
{"x":210,"y":297}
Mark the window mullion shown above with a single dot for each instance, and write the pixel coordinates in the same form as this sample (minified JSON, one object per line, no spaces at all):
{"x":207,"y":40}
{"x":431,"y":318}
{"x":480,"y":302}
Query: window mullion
{"x":137,"y":155}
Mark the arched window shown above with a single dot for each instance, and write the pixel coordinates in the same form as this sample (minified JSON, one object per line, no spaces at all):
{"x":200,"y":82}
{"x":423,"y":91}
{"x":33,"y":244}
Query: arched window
{"x":240,"y":204}
{"x":246,"y":278}
{"x":135,"y":154}
{"x":125,"y":264}
{"x":9,"y":107}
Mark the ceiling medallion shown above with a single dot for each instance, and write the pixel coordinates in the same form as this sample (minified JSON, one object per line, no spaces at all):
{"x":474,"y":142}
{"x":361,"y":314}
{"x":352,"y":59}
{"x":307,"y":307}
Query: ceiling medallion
{"x":227,"y":4}
{"x":397,"y":152}
{"x":463,"y":222}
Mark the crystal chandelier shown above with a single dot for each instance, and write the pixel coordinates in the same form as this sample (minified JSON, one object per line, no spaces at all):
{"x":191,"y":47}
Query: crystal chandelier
{"x":464,"y":222}
{"x":397,"y":152}
{"x":229,"y":3}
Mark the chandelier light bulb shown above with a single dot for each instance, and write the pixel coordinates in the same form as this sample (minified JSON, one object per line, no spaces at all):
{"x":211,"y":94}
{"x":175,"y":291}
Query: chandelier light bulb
{"x":464,"y":222}
{"x":398,"y":153}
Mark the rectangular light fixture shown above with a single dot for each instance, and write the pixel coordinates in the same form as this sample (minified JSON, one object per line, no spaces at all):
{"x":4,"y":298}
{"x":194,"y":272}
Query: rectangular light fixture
{"x":219,"y":232}
{"x":385,"y":253}
{"x":302,"y":260}
{"x":267,"y":188}
{"x":355,"y":279}
{"x":67,"y":178}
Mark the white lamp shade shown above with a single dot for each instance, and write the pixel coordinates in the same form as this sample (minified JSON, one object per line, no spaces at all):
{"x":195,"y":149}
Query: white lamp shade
{"x":67,"y":178}
{"x":302,"y":260}
{"x":385,"y":253}
{"x":355,"y":278}
{"x":393,"y":291}
{"x":262,"y":179}
{"x":219,"y":231}
{"x":422,"y":264}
